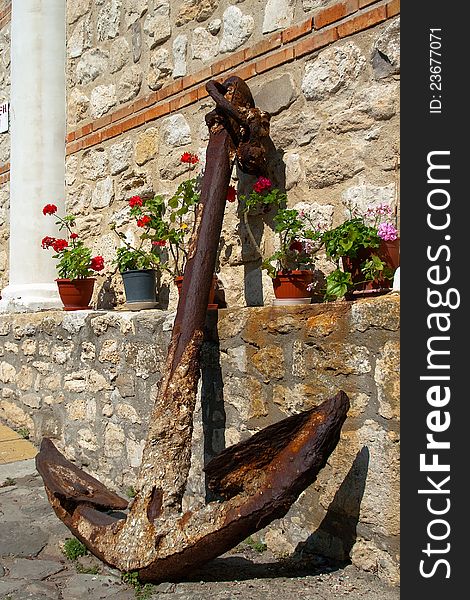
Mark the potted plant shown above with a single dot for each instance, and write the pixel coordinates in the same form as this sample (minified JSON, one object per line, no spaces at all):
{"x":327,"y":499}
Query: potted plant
{"x":75,"y":265}
{"x":365,"y":252}
{"x":291,"y":266}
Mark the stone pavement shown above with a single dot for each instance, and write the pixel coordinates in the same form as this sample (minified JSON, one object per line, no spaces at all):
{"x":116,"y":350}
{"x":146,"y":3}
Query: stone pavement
{"x":34,"y":567}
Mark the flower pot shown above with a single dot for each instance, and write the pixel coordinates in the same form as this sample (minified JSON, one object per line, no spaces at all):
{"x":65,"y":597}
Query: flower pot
{"x":140,"y":286}
{"x":290,"y":287}
{"x":210,"y":305}
{"x":388,"y":252}
{"x":76,"y":293}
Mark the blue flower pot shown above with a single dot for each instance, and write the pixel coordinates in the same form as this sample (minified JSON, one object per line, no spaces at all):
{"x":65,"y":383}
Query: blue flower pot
{"x":140,"y":285}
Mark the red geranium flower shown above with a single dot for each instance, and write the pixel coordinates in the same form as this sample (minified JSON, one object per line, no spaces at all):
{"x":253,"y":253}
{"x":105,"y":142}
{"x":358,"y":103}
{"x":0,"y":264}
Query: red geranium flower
{"x":73,"y":236}
{"x":49,"y":209}
{"x":231,"y":194}
{"x":135,"y":201}
{"x":59,"y":245}
{"x":47,"y":242}
{"x":262,"y":184}
{"x":189,"y":158}
{"x":97,"y":263}
{"x":159,"y":243}
{"x":143,"y":221}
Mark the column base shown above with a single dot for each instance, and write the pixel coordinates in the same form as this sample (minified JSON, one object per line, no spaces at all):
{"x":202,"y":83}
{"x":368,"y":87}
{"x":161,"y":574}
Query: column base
{"x":30,"y":297}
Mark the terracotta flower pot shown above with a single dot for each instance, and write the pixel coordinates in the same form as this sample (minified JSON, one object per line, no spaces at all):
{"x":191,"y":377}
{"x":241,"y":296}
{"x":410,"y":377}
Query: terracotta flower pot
{"x":292,"y":285}
{"x":76,"y":293}
{"x":210,"y":305}
{"x":388,"y":252}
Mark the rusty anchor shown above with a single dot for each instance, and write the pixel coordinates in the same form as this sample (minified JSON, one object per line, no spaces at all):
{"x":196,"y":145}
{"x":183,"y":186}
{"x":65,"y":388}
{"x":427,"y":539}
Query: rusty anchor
{"x":258,"y":479}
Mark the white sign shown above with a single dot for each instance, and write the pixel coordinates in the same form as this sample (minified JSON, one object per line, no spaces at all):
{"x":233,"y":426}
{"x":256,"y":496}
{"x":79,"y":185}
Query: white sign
{"x":4,"y":113}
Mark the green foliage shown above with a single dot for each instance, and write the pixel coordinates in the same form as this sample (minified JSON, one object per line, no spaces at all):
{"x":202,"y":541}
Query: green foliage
{"x":338,"y":283}
{"x":348,"y":238}
{"x":267,"y":199}
{"x":128,"y":259}
{"x":74,"y":548}
{"x":24,"y":432}
{"x":142,"y":592}
{"x":74,"y":262}
{"x":86,"y":570}
{"x":131,"y":492}
{"x":257,"y":546}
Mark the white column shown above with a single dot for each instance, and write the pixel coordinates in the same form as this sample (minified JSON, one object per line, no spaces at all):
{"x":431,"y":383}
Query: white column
{"x":37,"y":160}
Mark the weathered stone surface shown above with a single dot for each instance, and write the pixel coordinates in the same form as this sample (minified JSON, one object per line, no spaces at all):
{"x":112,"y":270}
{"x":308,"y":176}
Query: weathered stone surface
{"x":204,"y":46}
{"x":334,"y":69}
{"x":157,"y":25}
{"x":109,"y":20}
{"x":136,"y":41}
{"x":340,"y":357}
{"x":30,"y":543}
{"x":359,"y":198}
{"x":180,"y":48}
{"x":269,"y":361}
{"x":146,"y":146}
{"x":369,"y":313}
{"x":133,"y":10}
{"x":94,"y":163}
{"x":91,"y":65}
{"x":247,"y":396}
{"x":77,"y":9}
{"x":386,"y":52}
{"x":119,"y":54}
{"x":175,"y":131}
{"x":237,"y":28}
{"x":77,"y":107}
{"x":198,"y":10}
{"x":22,"y":568}
{"x":102,"y":99}
{"x":120,"y":156}
{"x":114,"y":440}
{"x":368,"y":556}
{"x":80,"y":38}
{"x":160,"y":68}
{"x":214,"y":26}
{"x":308,"y":5}
{"x":387,"y":377}
{"x":278,"y":14}
{"x":129,"y":84}
{"x":276,"y":95}
{"x":329,"y":165}
{"x":103,"y":193}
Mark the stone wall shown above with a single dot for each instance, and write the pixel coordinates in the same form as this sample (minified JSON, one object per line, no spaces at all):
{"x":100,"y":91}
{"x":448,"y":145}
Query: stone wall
{"x":87,"y":379}
{"x":326,"y":70}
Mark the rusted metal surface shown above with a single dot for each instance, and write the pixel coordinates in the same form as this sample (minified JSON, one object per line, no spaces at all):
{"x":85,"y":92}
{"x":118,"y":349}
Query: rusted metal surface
{"x":260,"y":478}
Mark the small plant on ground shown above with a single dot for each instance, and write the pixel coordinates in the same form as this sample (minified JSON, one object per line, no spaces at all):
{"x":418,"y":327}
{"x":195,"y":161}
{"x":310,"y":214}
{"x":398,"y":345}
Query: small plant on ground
{"x":86,"y":570}
{"x":23,"y":432}
{"x":74,"y":548}
{"x":257,"y":546}
{"x":131,"y":492}
{"x":142,"y":592}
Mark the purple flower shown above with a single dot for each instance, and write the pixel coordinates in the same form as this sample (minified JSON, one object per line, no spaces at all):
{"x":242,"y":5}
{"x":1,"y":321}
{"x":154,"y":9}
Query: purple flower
{"x":387,"y":232}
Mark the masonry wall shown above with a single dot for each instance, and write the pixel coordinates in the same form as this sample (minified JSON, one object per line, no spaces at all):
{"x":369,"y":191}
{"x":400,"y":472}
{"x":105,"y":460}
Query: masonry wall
{"x":87,"y":379}
{"x":136,"y":71}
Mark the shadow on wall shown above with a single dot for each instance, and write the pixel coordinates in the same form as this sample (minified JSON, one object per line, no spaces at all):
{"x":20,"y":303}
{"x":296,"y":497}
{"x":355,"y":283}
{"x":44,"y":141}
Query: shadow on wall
{"x":276,"y":172}
{"x":336,"y":534}
{"x":212,"y":395}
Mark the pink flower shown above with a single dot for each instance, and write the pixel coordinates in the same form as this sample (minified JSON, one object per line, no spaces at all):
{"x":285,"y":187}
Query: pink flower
{"x":97,"y":263}
{"x":387,"y":232}
{"x":262,"y":184}
{"x":135,"y":201}
{"x":231,"y":194}
{"x":49,"y":209}
{"x":143,"y":221}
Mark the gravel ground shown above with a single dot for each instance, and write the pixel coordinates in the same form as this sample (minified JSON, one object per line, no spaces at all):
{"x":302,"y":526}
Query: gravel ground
{"x":33,"y":566}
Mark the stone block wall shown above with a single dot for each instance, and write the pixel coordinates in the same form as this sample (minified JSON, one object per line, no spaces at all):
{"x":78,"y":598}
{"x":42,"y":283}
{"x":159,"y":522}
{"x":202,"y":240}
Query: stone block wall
{"x":87,"y":380}
{"x":328,"y":72}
